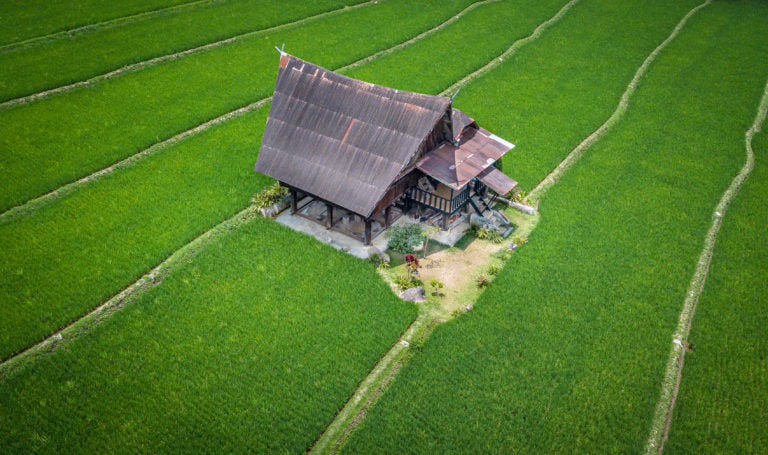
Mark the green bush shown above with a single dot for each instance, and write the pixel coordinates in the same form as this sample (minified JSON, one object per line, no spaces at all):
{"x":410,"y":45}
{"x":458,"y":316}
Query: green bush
{"x":403,"y":239}
{"x":519,"y":240}
{"x":486,"y":234}
{"x":379,"y":261}
{"x":494,"y":269}
{"x":404,"y":281}
{"x":269,"y":196}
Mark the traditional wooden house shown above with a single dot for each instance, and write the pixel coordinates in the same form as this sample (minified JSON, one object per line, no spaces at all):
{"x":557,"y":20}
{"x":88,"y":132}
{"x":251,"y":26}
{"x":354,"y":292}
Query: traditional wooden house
{"x":368,"y":151}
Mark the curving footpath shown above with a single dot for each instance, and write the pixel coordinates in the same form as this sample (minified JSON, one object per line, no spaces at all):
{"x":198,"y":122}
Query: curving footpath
{"x":662,"y":418}
{"x":574,"y":155}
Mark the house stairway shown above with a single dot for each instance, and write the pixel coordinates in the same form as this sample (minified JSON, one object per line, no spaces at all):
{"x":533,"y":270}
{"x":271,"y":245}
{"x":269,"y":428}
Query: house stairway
{"x":481,"y":204}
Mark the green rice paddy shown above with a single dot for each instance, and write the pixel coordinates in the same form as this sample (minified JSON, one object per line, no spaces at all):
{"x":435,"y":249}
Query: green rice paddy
{"x":86,"y":55}
{"x":28,"y":19}
{"x":247,"y":349}
{"x":258,"y":340}
{"x":722,"y":406}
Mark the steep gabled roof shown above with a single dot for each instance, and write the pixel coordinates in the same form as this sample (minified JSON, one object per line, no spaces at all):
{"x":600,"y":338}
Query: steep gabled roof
{"x":342,"y":139}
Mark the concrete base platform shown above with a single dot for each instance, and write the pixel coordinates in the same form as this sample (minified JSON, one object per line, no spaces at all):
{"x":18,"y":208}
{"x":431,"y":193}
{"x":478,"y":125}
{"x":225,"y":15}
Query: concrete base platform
{"x":357,"y":248}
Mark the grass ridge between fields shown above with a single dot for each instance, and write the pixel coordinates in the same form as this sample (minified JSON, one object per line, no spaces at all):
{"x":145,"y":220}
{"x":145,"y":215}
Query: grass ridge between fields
{"x":555,"y":175}
{"x":36,"y":40}
{"x":32,"y":204}
{"x":511,"y":50}
{"x":662,"y":418}
{"x":175,"y":55}
{"x":372,"y":385}
{"x":149,"y":280}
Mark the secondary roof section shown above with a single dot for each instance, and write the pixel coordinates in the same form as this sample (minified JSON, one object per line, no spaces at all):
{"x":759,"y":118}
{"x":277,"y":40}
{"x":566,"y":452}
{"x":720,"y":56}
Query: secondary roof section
{"x":455,"y":166}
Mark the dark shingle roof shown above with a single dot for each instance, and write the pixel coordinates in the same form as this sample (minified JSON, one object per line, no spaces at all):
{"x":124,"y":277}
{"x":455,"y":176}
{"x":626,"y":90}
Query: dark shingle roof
{"x":342,"y":139}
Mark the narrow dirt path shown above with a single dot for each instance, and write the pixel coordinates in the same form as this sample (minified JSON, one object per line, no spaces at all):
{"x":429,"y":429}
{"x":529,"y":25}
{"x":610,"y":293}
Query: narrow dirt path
{"x":37,"y":40}
{"x":574,"y":155}
{"x":168,"y":57}
{"x":662,"y":418}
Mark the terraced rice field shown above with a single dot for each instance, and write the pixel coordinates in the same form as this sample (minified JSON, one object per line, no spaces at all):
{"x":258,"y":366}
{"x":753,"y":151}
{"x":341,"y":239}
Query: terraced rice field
{"x":234,"y":334}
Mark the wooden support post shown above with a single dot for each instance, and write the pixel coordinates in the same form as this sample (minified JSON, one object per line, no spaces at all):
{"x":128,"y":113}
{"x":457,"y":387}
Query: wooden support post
{"x":445,"y":221}
{"x":367,"y":231}
{"x":386,"y":216}
{"x":329,"y":214}
{"x":294,"y":202}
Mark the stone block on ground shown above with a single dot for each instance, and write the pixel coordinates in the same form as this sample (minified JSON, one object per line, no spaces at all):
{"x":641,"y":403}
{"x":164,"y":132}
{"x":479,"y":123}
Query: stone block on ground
{"x":416,"y":294}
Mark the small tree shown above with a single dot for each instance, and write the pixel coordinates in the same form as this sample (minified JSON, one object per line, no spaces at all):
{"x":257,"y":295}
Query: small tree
{"x":431,"y":230}
{"x":436,"y":286}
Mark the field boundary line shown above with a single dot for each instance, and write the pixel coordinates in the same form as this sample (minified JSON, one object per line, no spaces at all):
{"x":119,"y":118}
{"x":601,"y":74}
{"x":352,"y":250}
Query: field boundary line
{"x":155,"y":276}
{"x":39,"y":201}
{"x":662,"y":418}
{"x":418,"y":37}
{"x":498,"y":60}
{"x":37,"y":40}
{"x":173,"y":56}
{"x":33,"y":204}
{"x":378,"y":379}
{"x":574,"y":155}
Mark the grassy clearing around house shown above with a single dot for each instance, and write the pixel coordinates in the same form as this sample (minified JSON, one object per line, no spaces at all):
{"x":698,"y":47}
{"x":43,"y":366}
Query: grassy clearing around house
{"x":722,"y":405}
{"x":31,"y":18}
{"x":54,"y":141}
{"x":248,"y":348}
{"x":566,"y":349}
{"x":64,"y":61}
{"x":65,"y":258}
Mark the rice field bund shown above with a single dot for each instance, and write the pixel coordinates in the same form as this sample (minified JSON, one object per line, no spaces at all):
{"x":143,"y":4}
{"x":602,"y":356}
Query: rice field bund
{"x":147,"y":305}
